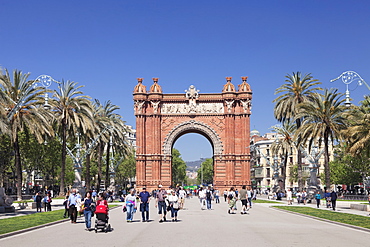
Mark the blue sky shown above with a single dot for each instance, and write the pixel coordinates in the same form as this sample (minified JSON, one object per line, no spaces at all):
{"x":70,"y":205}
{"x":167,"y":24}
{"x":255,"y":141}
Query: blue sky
{"x":106,"y":45}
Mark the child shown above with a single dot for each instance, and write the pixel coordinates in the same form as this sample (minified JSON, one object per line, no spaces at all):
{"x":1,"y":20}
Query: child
{"x":66,"y":211}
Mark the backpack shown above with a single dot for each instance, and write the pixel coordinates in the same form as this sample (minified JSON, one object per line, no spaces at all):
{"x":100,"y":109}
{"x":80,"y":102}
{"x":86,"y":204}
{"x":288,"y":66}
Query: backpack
{"x":208,"y":194}
{"x":230,"y":196}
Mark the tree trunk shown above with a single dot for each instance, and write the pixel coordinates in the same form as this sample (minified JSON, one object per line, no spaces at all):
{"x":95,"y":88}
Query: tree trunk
{"x":107,"y":180}
{"x":326,"y":161}
{"x":284,"y":168}
{"x":87,"y":172}
{"x":18,"y":168}
{"x":64,"y":155}
{"x":100,"y":155}
{"x":299,"y":159}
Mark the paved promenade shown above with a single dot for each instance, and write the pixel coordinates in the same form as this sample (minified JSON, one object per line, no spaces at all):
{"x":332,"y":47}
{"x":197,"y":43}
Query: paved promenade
{"x":264,"y":226}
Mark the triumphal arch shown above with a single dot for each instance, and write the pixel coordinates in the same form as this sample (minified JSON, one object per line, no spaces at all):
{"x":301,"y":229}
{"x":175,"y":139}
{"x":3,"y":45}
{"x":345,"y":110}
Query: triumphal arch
{"x":223,"y":118}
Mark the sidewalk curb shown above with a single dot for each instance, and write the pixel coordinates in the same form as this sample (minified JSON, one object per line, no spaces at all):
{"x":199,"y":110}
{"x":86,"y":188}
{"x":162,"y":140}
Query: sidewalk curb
{"x":325,"y":220}
{"x":9,"y":234}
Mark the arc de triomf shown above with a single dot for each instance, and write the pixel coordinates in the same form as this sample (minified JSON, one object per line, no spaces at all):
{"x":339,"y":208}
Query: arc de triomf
{"x":223,"y":118}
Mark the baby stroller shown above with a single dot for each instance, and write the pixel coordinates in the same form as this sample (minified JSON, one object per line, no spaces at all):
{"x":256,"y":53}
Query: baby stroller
{"x":101,"y":221}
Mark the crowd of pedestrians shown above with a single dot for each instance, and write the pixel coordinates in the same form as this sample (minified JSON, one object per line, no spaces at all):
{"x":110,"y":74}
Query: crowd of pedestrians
{"x":167,"y":201}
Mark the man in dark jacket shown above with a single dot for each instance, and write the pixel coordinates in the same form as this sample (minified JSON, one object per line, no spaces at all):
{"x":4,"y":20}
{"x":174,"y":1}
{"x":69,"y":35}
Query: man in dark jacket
{"x":333,"y":196}
{"x":38,"y":199}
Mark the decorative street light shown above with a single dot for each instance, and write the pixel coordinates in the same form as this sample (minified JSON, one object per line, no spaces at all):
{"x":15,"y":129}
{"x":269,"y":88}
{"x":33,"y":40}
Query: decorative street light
{"x":45,"y":81}
{"x":78,"y":158}
{"x":347,"y":78}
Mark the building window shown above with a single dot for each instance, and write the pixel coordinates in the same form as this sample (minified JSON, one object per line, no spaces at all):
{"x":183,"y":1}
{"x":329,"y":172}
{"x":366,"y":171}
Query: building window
{"x":268,"y":152}
{"x":268,"y":172}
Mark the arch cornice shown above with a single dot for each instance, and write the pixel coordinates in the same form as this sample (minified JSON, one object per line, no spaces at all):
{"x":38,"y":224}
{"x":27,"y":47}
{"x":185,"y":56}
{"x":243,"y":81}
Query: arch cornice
{"x":189,"y":126}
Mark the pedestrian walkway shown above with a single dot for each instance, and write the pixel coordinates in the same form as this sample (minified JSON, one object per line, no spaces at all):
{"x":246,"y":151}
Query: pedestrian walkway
{"x":262,"y":227}
{"x":342,"y":206}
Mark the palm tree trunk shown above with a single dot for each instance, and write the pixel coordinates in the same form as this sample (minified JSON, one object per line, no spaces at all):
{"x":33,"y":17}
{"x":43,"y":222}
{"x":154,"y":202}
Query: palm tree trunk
{"x":299,"y":160}
{"x":18,"y":168}
{"x":326,"y":161}
{"x":100,"y":154}
{"x":284,"y":168}
{"x":107,"y":180}
{"x":64,"y":155}
{"x":87,"y":172}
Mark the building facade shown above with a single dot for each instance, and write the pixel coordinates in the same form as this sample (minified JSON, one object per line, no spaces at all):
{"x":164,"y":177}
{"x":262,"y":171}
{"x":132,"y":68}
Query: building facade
{"x":267,"y":169}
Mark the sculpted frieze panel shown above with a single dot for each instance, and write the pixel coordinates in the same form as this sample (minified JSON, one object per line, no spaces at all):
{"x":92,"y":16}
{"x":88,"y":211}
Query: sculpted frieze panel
{"x":183,"y":108}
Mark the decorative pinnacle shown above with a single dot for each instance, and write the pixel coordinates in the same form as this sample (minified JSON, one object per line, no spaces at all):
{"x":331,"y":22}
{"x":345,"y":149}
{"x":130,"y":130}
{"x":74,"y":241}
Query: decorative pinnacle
{"x":228,"y":79}
{"x":140,"y":80}
{"x":244,"y":78}
{"x":155,"y":80}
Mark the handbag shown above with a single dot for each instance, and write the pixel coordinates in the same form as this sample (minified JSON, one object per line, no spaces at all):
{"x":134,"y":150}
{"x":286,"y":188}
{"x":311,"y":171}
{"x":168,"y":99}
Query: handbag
{"x":124,"y":209}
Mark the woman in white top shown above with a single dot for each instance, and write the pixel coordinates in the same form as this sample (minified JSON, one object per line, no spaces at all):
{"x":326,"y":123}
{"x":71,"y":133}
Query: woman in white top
{"x":173,"y":201}
{"x":202,"y":197}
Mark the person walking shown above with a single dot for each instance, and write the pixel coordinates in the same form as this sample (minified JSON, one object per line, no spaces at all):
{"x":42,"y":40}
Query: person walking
{"x":173,"y":201}
{"x":72,"y":205}
{"x":182,"y":195}
{"x":202,"y":197}
{"x":144,"y":205}
{"x":225,"y":195}
{"x":161,"y":203}
{"x":209,"y":198}
{"x":38,"y":200}
{"x":87,"y":210}
{"x":304,"y":197}
{"x":249,"y":195}
{"x":289,"y":197}
{"x":318,"y":198}
{"x":299,"y":197}
{"x":47,"y":202}
{"x":244,"y":200}
{"x":93,"y":195}
{"x":217,"y":196}
{"x":130,"y":201}
{"x":66,"y":211}
{"x":231,"y":200}
{"x":328,"y":199}
{"x":333,"y":197}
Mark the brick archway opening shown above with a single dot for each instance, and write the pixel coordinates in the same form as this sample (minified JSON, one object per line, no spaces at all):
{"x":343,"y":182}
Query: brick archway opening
{"x":222,"y":118}
{"x":191,"y":127}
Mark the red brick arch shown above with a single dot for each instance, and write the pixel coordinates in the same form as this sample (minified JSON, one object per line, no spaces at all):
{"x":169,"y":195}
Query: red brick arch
{"x":223,"y":118}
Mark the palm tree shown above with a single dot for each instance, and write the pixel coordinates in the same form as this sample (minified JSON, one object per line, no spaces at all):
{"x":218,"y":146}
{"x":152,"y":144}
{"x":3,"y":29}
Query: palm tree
{"x":285,"y":144}
{"x":323,"y":122}
{"x":358,"y":132}
{"x":107,"y":118}
{"x":73,"y":113}
{"x":296,"y":90}
{"x":23,"y":103}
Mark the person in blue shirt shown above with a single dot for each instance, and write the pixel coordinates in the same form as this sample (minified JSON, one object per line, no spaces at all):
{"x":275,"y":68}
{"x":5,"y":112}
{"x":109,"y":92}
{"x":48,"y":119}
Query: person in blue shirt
{"x":73,"y":200}
{"x":94,"y":194}
{"x":318,"y":198}
{"x":144,"y":205}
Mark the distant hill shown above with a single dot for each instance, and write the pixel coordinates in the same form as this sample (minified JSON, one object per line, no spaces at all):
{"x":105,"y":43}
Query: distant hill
{"x":194,"y":165}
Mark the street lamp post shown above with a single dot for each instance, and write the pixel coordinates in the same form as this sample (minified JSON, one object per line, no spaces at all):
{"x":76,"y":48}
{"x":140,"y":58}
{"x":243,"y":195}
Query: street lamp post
{"x":347,"y":78}
{"x":45,"y":81}
{"x":78,"y":158}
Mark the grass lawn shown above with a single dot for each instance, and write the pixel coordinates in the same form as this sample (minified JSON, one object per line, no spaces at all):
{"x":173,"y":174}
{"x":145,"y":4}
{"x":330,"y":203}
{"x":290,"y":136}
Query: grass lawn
{"x":22,"y":222}
{"x":265,"y":201}
{"x":351,"y":219}
{"x":24,"y":201}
